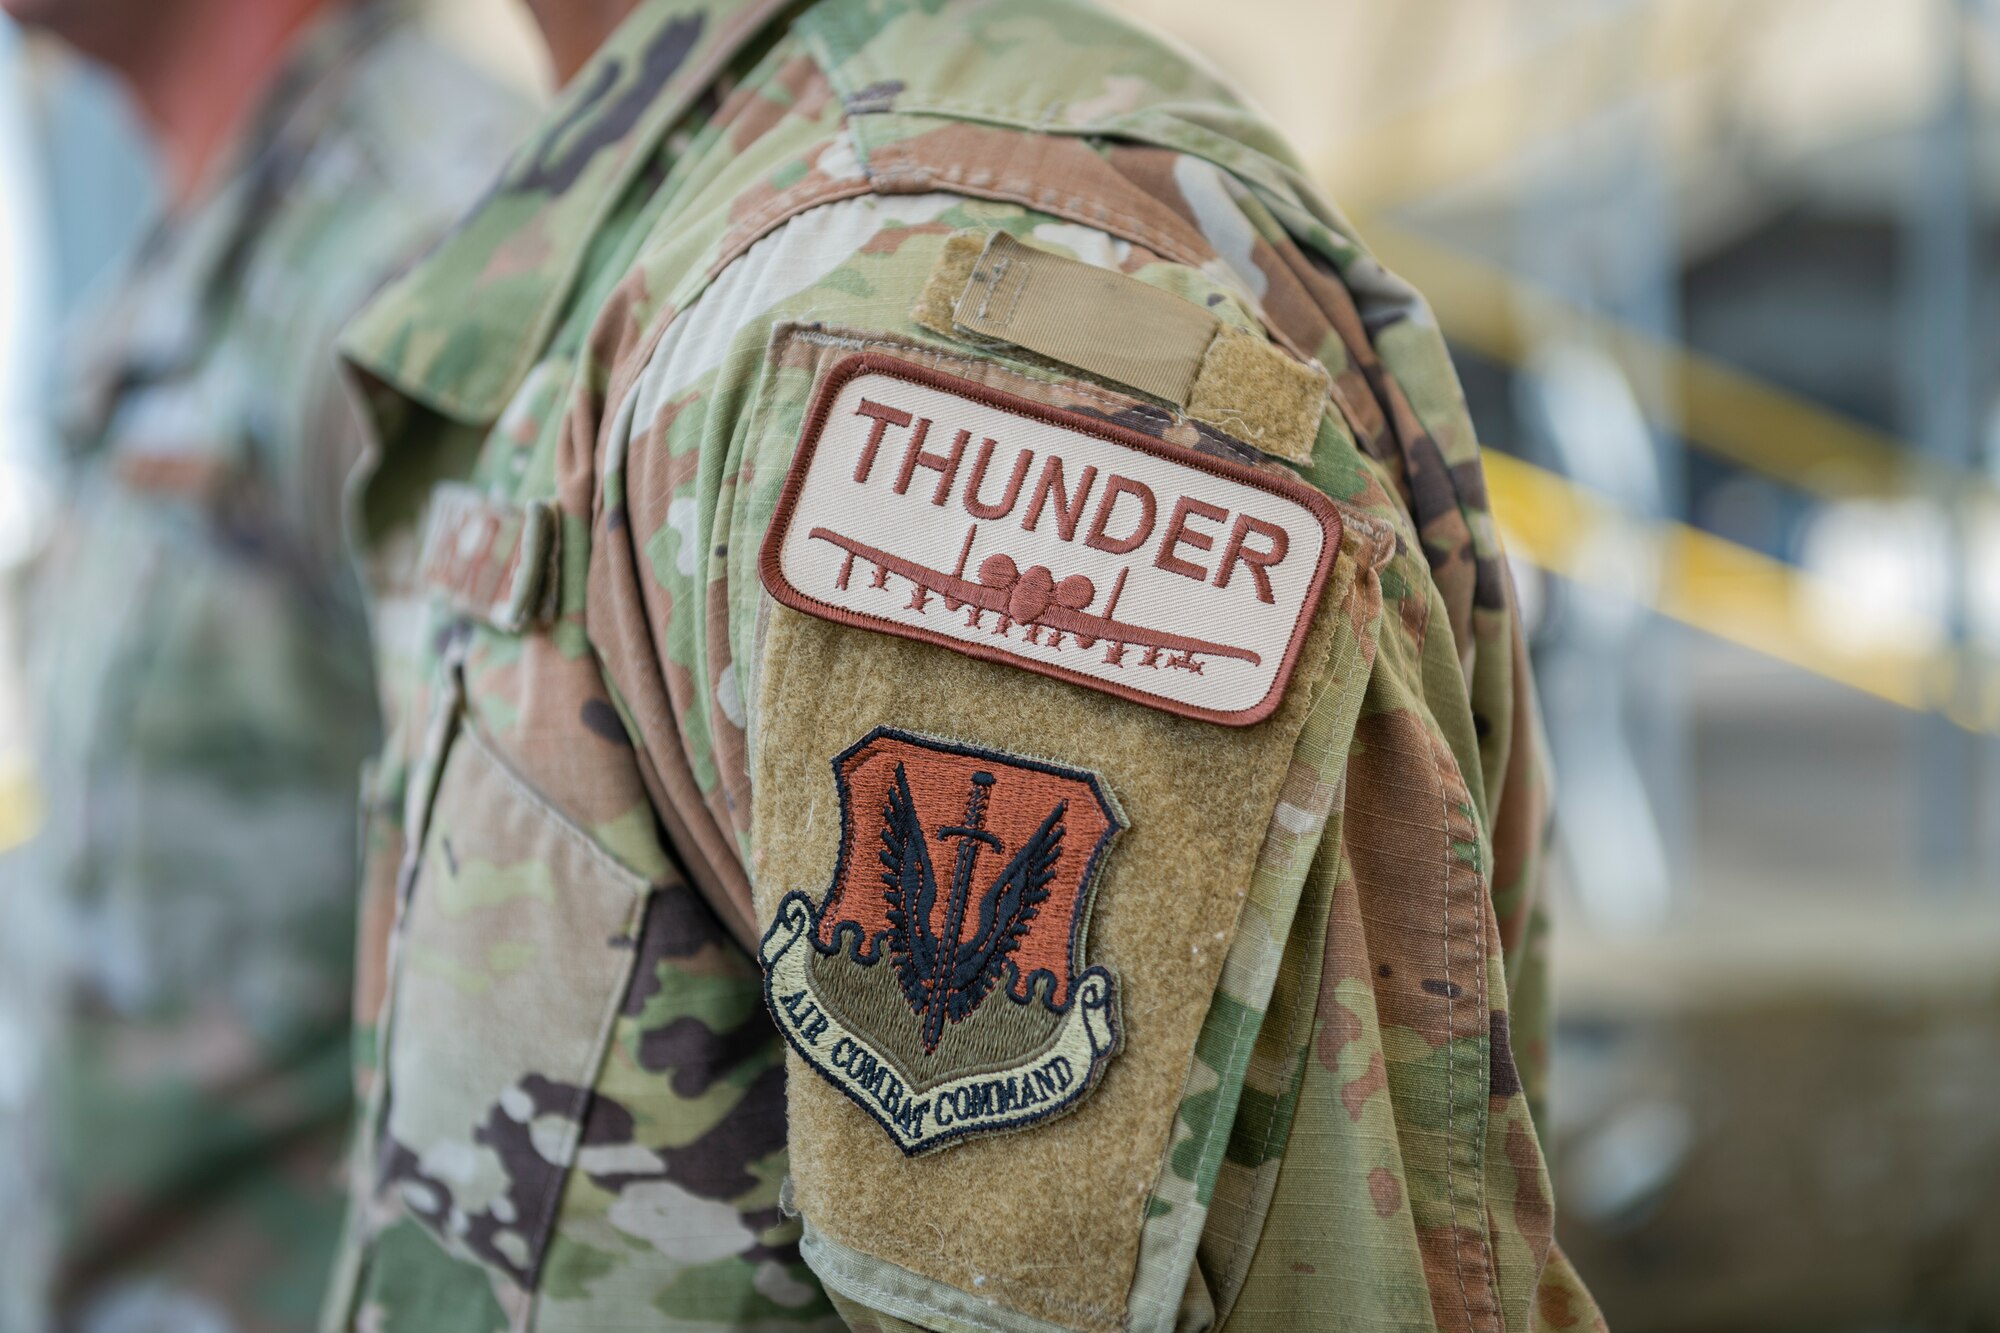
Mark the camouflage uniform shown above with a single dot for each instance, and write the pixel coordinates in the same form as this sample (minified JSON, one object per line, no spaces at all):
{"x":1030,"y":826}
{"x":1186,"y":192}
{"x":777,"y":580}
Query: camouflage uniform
{"x":606,"y":767}
{"x":204,"y":696}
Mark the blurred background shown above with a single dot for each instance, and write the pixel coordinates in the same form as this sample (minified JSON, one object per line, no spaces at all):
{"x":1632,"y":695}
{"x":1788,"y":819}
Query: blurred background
{"x":1723,"y":281}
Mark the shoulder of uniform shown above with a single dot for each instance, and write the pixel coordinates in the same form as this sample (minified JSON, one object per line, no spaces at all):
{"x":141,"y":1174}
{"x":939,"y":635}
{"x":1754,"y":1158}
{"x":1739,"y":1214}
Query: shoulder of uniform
{"x":471,"y":118}
{"x":1062,"y":65}
{"x":1001,"y":282}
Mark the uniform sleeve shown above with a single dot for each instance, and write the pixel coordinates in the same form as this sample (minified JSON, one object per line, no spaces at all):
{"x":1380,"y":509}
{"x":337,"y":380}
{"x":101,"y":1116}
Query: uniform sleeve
{"x":1109,"y":1005}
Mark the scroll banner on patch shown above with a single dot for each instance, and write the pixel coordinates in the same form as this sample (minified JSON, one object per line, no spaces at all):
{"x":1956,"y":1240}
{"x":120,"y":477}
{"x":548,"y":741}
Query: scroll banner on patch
{"x":975,"y":1104}
{"x":932,"y":507}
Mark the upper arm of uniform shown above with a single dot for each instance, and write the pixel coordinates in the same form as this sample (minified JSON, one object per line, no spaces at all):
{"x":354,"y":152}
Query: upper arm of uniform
{"x":699,"y":446}
{"x":1025,"y":847}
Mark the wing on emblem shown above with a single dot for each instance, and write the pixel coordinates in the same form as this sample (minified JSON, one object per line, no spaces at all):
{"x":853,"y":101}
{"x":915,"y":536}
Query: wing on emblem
{"x":1005,"y":913}
{"x":912,"y":891}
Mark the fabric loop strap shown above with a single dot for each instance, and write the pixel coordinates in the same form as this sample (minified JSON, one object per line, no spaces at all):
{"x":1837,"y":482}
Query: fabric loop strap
{"x":494,"y":560}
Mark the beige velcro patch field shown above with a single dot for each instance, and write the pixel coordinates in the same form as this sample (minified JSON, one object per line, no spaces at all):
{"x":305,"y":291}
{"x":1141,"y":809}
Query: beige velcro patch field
{"x":931,"y":507}
{"x":933,"y":1236}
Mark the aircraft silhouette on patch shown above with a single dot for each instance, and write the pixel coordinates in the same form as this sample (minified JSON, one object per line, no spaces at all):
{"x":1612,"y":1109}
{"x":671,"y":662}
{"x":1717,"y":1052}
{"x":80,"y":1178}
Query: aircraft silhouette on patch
{"x":1035,"y":600}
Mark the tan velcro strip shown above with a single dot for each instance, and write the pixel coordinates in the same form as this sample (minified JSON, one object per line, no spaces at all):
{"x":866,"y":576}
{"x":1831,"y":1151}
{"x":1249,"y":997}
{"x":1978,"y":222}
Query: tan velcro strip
{"x":1093,"y":318}
{"x":948,"y":281}
{"x":1251,"y":390}
{"x":990,"y":288}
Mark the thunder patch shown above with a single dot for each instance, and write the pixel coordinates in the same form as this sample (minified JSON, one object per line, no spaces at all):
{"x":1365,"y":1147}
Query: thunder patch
{"x":941,"y":983}
{"x":930,"y":507}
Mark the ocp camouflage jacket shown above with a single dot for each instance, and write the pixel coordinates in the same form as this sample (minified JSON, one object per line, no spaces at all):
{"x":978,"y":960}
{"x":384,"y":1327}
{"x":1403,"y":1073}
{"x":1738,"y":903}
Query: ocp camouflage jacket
{"x":742,"y":444}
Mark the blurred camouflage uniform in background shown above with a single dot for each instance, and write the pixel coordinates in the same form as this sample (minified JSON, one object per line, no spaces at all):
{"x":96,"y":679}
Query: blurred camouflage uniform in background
{"x":609,"y":750}
{"x":202,"y":697}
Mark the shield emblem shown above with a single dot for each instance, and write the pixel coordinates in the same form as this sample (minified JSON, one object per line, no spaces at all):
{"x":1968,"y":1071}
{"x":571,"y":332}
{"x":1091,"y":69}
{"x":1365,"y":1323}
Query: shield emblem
{"x":941,"y":981}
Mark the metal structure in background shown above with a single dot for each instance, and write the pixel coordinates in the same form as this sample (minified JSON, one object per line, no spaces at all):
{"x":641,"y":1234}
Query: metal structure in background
{"x":1984,"y":25}
{"x":1938,"y":281}
{"x":1595,"y":265}
{"x":1606,"y":241}
{"x":1773,"y":1097}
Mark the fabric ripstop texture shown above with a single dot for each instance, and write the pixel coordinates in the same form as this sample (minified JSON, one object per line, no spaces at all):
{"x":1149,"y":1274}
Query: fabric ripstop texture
{"x":616,"y":297}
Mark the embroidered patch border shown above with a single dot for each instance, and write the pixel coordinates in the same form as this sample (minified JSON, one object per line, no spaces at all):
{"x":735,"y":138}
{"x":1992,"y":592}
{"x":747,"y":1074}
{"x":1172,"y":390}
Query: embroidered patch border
{"x":873,"y":995}
{"x":1024,"y":612}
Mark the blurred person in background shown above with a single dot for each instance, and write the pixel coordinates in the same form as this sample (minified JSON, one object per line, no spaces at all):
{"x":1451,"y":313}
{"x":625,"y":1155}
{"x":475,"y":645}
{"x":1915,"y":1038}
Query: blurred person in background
{"x":690,"y":646}
{"x":200,"y":684}
{"x":23,"y":414}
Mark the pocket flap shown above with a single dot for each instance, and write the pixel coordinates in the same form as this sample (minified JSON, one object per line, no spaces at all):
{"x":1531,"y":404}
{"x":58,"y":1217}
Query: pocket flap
{"x":513,"y":958}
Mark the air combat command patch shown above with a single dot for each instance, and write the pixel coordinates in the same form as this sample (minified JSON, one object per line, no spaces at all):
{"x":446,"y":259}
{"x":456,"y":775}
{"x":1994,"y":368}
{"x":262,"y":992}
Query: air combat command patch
{"x":941,"y":983}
